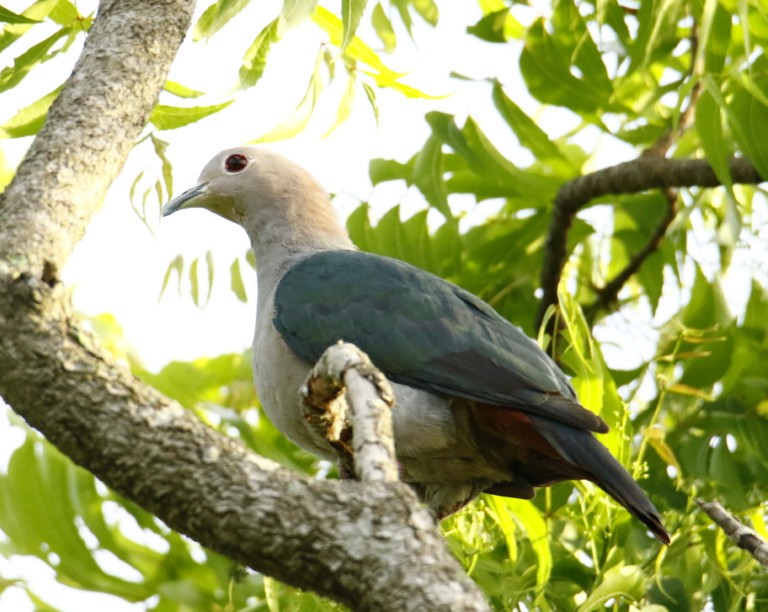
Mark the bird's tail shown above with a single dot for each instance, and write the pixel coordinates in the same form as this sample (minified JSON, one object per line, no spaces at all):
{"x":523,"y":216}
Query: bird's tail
{"x":582,"y":449}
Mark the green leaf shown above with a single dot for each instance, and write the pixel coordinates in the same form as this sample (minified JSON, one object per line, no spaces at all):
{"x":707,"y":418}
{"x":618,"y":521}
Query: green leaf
{"x":547,"y":70}
{"x":24,"y":63}
{"x":497,"y":27}
{"x":36,"y":473}
{"x":177,"y":266}
{"x":502,"y":515}
{"x":255,"y":58}
{"x":714,"y":37}
{"x":180,"y":91}
{"x":7,"y":16}
{"x":299,"y":118}
{"x":748,"y":118}
{"x":351,"y":13}
{"x":166,"y":117}
{"x":65,"y":13}
{"x":345,"y":105}
{"x":194,"y":281}
{"x":29,"y":119}
{"x":209,"y":265}
{"x":493,"y":175}
{"x":357,"y":50}
{"x":619,"y":582}
{"x":166,"y":170}
{"x":428,"y":175}
{"x":294,"y":12}
{"x":194,"y":278}
{"x":657,"y":33}
{"x":216,"y":16}
{"x":236,"y":281}
{"x":370,"y":94}
{"x":533,"y":522}
{"x":382,"y":170}
{"x":383,"y":27}
{"x":428,"y":10}
{"x":37,"y":12}
{"x":710,"y":129}
{"x":528,"y":132}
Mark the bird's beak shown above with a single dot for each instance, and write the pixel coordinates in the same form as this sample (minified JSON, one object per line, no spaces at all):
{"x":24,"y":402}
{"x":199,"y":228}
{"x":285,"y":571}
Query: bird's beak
{"x":183,"y":200}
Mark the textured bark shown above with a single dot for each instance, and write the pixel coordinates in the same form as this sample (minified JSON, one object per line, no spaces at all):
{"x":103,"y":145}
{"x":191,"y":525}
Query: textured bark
{"x":745,"y":537}
{"x":647,"y":172}
{"x":344,"y":367}
{"x":368,"y":545}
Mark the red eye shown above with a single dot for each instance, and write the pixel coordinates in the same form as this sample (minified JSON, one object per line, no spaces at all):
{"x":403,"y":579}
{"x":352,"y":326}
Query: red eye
{"x":236,"y":162}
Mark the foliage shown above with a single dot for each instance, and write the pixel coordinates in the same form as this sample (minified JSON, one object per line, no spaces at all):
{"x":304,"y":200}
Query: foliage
{"x":680,"y":372}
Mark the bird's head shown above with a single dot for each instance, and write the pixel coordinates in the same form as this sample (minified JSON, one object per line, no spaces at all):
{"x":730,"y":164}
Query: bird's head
{"x":273,"y":199}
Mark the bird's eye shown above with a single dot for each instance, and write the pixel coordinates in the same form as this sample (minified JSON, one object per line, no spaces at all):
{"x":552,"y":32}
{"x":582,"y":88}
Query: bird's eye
{"x":236,"y":162}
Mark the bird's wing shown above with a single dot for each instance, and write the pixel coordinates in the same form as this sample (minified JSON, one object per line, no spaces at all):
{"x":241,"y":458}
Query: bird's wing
{"x":421,"y":331}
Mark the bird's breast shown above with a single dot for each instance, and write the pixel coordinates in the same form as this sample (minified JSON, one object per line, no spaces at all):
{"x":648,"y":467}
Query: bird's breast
{"x":279,"y":375}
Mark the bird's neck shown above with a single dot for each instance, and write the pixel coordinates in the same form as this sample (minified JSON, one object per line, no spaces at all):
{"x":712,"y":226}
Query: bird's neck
{"x":279,"y":243}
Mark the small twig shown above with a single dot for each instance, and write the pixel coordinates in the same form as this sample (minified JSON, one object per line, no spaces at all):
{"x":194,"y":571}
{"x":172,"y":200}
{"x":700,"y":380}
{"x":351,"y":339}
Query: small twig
{"x":744,"y":537}
{"x":608,"y":294}
{"x":348,"y":400}
{"x":634,"y":176}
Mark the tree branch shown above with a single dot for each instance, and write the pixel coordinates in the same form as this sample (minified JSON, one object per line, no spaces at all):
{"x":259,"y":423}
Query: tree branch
{"x":743,"y":536}
{"x":630,"y":177}
{"x":144,"y":446}
{"x":609,"y":293}
{"x":344,"y":367}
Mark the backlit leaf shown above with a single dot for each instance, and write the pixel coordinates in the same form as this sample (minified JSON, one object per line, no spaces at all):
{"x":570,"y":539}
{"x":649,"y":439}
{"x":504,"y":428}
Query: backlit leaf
{"x":299,"y":118}
{"x":7,"y":16}
{"x":351,"y":13}
{"x":166,"y":117}
{"x":216,"y":16}
{"x":29,"y":119}
{"x":255,"y":58}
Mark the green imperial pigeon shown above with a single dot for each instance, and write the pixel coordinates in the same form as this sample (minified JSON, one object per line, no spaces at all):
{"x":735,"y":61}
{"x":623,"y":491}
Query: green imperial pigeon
{"x":479,"y":407}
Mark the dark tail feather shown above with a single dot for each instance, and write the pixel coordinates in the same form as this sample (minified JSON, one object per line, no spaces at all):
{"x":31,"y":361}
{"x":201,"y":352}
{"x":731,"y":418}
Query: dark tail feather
{"x":583,"y":450}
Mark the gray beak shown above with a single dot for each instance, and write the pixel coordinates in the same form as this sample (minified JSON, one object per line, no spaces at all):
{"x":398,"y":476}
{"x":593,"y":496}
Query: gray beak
{"x":182,"y":200}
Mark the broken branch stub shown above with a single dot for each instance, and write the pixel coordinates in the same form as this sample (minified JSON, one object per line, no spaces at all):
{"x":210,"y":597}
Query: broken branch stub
{"x":348,"y":400}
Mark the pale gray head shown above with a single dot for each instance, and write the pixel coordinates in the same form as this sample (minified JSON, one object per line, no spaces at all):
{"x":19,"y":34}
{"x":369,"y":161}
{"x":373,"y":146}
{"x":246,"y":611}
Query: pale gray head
{"x":272,"y":198}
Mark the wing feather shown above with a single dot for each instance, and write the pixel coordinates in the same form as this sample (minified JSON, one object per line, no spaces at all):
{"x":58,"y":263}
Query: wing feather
{"x":421,"y":331}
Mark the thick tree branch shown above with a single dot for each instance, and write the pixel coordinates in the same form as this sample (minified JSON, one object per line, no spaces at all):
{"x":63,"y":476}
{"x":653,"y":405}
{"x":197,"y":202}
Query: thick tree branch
{"x":144,"y":446}
{"x":89,"y":131}
{"x":743,"y":536}
{"x":643,"y":173}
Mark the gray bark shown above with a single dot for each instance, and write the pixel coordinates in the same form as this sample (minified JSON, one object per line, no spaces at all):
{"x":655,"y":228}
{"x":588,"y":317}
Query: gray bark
{"x":368,"y":545}
{"x":744,"y":537}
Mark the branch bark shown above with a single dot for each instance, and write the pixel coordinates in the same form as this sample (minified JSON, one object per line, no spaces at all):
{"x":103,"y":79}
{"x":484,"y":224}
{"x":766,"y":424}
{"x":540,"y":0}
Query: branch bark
{"x":744,"y":537}
{"x":342,"y":370}
{"x":138,"y":442}
{"x":648,"y":172}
